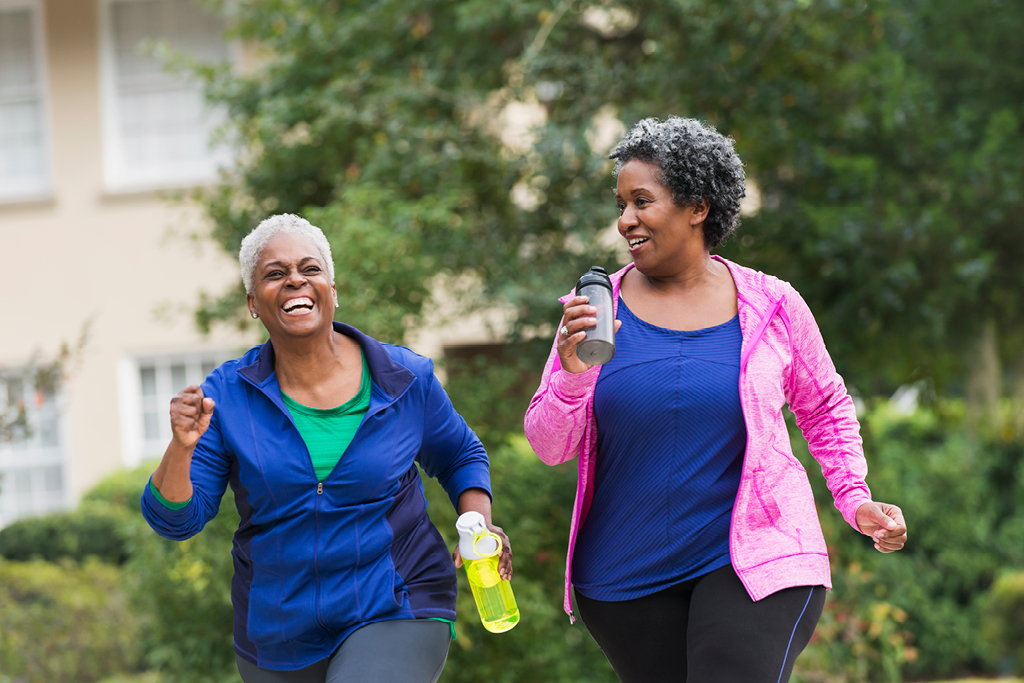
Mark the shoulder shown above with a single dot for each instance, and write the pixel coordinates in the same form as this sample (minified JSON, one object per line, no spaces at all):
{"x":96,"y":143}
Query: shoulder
{"x":224,"y":378}
{"x":758,"y":287}
{"x":419,"y":365}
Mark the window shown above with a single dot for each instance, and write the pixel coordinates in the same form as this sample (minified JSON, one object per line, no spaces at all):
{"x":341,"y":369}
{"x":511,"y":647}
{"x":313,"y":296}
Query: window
{"x":24,"y":150}
{"x":147,"y":385}
{"x":156,"y":124}
{"x":31,"y":465}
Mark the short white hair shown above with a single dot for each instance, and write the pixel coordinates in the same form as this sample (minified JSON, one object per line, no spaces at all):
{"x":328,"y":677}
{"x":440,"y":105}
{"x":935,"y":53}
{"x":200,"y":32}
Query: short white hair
{"x":269,"y":228}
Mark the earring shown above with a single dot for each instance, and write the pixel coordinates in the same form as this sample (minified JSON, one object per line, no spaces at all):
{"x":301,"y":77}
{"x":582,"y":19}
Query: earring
{"x":254,"y":316}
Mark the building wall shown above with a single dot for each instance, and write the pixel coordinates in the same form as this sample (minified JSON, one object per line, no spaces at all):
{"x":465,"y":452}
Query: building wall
{"x":84,"y":255}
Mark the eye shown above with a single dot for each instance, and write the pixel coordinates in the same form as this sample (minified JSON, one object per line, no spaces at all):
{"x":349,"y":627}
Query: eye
{"x":312,"y":269}
{"x":272,"y":275}
{"x":622,"y":207}
{"x":640,"y":201}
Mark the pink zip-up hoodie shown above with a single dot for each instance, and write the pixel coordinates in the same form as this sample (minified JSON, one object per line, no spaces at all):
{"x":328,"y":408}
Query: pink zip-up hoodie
{"x":775,"y":540}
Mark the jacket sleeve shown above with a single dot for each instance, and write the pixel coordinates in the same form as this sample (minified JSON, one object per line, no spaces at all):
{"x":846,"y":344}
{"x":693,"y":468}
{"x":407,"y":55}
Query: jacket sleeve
{"x":560,"y":410}
{"x":450,"y":451}
{"x":211,"y":466}
{"x":824,"y":411}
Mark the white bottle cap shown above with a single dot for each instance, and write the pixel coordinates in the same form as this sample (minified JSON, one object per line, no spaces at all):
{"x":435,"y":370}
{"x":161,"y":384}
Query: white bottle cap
{"x":470,"y":525}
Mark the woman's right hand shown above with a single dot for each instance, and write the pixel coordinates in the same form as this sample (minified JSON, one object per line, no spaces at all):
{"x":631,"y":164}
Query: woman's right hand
{"x":577,"y":318}
{"x":191,"y":413}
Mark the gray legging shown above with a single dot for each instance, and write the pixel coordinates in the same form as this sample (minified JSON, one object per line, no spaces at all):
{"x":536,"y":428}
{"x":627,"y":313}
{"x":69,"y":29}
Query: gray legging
{"x":401,"y":651}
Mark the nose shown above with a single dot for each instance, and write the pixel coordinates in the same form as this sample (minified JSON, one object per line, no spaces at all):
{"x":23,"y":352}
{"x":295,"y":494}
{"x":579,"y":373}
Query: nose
{"x":295,"y":278}
{"x":628,"y":219}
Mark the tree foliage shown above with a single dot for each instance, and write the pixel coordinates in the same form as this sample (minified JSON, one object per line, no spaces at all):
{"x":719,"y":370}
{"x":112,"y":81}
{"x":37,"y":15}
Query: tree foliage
{"x":884,"y":138}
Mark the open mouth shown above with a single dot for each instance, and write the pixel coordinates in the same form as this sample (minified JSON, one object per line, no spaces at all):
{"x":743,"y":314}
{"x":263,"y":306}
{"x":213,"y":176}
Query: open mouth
{"x":298,"y":305}
{"x":635,"y":242}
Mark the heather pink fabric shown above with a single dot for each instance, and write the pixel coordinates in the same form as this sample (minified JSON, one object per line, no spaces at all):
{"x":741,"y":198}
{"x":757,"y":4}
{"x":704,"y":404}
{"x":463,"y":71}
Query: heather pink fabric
{"x":775,"y":540}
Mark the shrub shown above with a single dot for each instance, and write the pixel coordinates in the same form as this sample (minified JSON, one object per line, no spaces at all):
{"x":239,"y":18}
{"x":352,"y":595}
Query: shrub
{"x":1004,"y":624}
{"x":959,"y":493}
{"x":184,"y":590}
{"x":95,"y":529}
{"x":64,"y":622}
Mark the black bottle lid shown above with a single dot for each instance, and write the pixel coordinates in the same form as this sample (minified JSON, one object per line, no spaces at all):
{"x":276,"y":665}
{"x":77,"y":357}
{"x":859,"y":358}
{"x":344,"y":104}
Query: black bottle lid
{"x":595,"y":276}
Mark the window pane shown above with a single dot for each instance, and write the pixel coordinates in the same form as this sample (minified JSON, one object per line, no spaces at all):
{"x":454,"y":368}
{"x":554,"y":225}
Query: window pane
{"x":178,"y":378}
{"x":152,"y":425}
{"x":22,"y":482}
{"x":22,"y":144}
{"x":53,"y":479}
{"x":148,"y":375}
{"x":162,"y":115}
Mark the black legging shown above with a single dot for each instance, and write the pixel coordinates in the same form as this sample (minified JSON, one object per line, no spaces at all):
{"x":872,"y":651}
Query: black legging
{"x":706,"y":630}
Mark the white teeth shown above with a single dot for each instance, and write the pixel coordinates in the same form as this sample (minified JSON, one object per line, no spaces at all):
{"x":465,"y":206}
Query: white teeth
{"x":301,"y":301}
{"x":636,"y":241}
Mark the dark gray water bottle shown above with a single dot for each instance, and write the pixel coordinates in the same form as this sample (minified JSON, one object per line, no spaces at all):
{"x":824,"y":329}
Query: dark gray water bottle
{"x":599,"y":346}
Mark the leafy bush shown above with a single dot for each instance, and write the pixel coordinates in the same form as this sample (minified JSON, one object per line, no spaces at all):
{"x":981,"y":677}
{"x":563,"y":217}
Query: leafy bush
{"x":859,"y":638}
{"x":64,"y":622}
{"x":94,"y":529}
{"x":960,"y":495}
{"x":1004,"y":623}
{"x":532,"y":503}
{"x":184,"y":591}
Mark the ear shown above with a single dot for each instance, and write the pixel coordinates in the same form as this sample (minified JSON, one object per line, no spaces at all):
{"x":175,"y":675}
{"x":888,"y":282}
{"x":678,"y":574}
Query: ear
{"x":251,"y":303}
{"x":700,"y":211}
{"x":334,"y":291}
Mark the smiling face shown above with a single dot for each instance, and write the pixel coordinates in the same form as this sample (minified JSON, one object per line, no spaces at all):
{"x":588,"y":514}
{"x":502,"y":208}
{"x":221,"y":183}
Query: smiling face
{"x":291,"y":291}
{"x":663,"y":236}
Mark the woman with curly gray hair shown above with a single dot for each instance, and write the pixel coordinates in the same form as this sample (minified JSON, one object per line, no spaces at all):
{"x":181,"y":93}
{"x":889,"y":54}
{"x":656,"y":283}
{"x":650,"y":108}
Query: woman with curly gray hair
{"x":695,"y":549}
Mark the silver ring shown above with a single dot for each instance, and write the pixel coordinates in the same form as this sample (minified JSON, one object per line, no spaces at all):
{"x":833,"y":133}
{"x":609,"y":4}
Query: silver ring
{"x":565,"y":330}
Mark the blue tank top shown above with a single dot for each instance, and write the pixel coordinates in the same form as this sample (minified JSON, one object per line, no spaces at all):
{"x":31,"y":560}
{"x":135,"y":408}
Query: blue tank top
{"x":670,"y":443}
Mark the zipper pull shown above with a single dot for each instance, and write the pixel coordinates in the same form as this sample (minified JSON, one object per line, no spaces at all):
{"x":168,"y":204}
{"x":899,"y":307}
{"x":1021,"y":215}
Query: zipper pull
{"x":319,"y":488}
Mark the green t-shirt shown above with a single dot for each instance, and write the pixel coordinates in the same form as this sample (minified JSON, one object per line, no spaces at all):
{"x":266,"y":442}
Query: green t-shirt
{"x":328,"y":431}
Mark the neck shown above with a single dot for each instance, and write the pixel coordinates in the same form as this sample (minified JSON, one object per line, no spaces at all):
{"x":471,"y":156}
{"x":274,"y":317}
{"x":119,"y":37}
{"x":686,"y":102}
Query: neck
{"x":693,"y":273}
{"x":307,"y":360}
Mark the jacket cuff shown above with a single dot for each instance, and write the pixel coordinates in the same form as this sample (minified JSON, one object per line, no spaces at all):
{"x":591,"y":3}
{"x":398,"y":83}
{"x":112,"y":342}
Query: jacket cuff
{"x":849,"y":511}
{"x":163,"y":501}
{"x":572,"y":386}
{"x":171,"y":517}
{"x":470,"y":476}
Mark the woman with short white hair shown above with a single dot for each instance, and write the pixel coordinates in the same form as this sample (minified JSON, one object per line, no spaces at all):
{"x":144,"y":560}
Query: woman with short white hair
{"x":318,"y":431}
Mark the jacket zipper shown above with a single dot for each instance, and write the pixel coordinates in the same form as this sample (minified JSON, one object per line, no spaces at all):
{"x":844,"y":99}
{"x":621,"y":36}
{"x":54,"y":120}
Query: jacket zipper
{"x":743,"y":410}
{"x":316,"y":556}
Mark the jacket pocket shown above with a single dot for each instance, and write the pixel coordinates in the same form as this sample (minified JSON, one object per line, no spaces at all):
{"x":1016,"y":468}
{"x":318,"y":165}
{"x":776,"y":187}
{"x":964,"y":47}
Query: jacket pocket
{"x":265,"y":623}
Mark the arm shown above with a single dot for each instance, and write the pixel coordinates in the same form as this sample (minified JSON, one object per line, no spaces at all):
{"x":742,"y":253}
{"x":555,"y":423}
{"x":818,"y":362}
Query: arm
{"x":450,"y":452}
{"x":479,"y":500}
{"x":562,"y":406}
{"x":193,"y":473}
{"x":826,"y":416}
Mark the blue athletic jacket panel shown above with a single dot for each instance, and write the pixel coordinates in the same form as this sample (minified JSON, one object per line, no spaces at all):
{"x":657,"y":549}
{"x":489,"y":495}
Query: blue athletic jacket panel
{"x":313,"y":564}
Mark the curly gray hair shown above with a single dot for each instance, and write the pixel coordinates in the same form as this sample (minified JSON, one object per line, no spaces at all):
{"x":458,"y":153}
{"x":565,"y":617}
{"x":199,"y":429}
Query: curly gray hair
{"x":255,"y":241}
{"x":696,"y":161}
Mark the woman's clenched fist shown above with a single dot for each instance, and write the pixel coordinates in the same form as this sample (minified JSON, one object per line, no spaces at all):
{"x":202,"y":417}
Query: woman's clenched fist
{"x":191,"y":413}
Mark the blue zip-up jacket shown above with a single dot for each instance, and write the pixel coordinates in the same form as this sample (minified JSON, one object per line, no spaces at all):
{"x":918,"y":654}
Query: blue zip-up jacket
{"x":315,"y":562}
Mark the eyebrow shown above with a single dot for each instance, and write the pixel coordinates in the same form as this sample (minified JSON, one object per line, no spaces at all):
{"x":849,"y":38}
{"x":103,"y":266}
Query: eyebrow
{"x":283,"y":264}
{"x":635,"y":191}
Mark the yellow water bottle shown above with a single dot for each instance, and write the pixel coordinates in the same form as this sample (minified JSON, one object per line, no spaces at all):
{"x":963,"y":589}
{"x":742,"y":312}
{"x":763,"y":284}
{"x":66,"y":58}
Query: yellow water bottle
{"x":480,"y":550}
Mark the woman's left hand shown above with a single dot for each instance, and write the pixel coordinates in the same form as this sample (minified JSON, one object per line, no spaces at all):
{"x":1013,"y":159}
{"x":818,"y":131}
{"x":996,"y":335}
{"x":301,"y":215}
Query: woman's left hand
{"x":504,"y":560}
{"x":885,"y":524}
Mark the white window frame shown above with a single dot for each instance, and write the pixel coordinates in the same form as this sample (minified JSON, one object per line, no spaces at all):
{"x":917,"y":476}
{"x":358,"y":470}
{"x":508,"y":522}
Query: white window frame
{"x":135,"y":448}
{"x":118,"y":176}
{"x":39,"y":48}
{"x":32,"y":457}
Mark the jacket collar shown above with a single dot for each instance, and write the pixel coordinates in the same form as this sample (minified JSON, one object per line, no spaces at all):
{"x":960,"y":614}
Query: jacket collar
{"x":390,"y":376}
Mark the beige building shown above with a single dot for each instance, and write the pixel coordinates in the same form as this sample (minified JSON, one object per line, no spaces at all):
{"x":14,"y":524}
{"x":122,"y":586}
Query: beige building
{"x":95,"y":136}
{"x":92,"y":134}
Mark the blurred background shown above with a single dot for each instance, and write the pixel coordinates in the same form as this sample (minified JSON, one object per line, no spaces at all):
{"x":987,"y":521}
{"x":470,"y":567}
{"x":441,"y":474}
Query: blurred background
{"x":455,"y":154}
